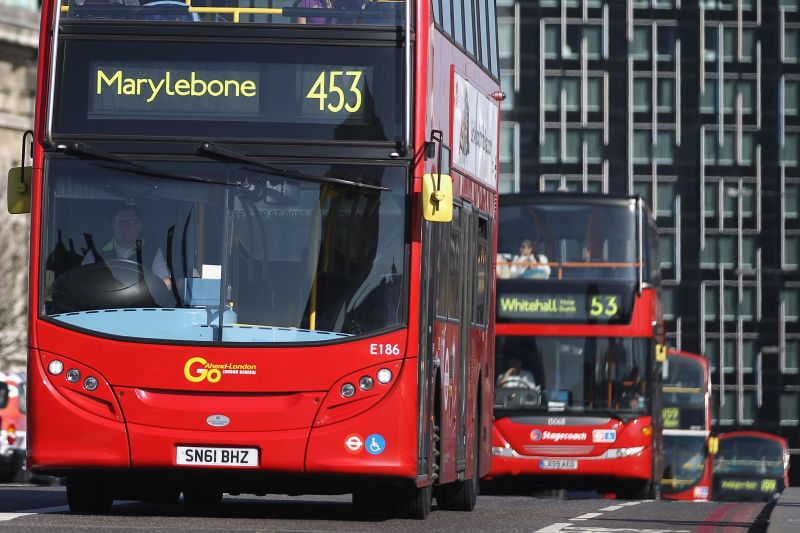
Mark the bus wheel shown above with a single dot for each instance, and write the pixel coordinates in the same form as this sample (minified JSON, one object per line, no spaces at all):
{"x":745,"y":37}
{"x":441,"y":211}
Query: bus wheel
{"x":369,"y":497}
{"x":89,"y":496}
{"x":162,"y":495}
{"x":202,"y":497}
{"x":410,"y":501}
{"x":638,"y":490}
{"x":462,"y":495}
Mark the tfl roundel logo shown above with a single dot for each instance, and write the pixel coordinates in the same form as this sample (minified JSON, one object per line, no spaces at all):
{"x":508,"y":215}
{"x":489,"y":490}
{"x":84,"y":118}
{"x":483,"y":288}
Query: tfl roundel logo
{"x":536,"y":435}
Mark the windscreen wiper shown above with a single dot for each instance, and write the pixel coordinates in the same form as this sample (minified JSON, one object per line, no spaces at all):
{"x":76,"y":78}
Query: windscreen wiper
{"x":225,"y":153}
{"x":85,"y":150}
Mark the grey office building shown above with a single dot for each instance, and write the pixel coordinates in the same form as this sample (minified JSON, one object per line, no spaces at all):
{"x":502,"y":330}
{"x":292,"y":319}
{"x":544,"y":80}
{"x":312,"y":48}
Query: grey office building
{"x":695,"y":105}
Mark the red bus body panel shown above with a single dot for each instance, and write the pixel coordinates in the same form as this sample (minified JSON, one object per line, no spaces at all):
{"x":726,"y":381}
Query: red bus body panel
{"x":519,"y":448}
{"x":700,"y":491}
{"x":290,"y":407}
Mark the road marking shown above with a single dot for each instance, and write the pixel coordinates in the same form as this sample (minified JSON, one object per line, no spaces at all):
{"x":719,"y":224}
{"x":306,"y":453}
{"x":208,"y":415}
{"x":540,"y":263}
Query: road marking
{"x":554,"y":528}
{"x":4,"y":517}
{"x":11,"y":516}
{"x":586,"y":516}
{"x":613,"y":508}
{"x":570,"y":528}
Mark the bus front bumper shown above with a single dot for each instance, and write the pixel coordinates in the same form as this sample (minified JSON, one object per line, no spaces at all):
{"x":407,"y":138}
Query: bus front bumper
{"x":622,"y":463}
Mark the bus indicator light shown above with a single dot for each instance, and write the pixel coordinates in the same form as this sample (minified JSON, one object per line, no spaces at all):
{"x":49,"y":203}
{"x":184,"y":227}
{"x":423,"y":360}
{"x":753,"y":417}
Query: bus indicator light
{"x":365,"y":383}
{"x":384,"y":376}
{"x":90,"y":383}
{"x":348,"y":390}
{"x":73,"y":375}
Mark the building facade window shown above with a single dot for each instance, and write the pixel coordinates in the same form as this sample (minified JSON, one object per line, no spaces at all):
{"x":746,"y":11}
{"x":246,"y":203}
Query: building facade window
{"x":790,"y":403}
{"x":666,"y":249}
{"x":551,"y":148}
{"x":641,"y":94}
{"x":640,"y":47}
{"x":790,"y":304}
{"x":789,"y":150}
{"x":791,"y":38}
{"x":711,"y":301}
{"x":792,"y":356}
{"x":791,"y":251}
{"x":791,"y":201}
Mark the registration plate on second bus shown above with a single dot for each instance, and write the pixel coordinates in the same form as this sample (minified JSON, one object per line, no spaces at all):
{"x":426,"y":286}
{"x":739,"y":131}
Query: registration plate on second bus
{"x":202,"y":456}
{"x":558,"y":464}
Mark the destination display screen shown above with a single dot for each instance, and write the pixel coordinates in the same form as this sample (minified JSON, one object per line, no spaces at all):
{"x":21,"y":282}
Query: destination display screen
{"x":279,"y":91}
{"x":683,"y":417}
{"x":592,"y":305}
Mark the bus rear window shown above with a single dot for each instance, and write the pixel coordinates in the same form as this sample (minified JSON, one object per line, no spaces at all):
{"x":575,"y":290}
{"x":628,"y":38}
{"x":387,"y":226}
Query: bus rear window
{"x":291,"y":12}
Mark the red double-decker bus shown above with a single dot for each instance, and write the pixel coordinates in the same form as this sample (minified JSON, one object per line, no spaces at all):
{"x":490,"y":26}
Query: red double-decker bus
{"x":688,"y":445}
{"x":578,"y":367}
{"x":750,"y":465}
{"x":260,"y":249}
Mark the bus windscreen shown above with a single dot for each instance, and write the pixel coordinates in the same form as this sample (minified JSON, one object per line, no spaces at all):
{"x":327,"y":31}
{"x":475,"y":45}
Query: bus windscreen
{"x":684,"y":462}
{"x":571,"y":374}
{"x":292,"y":12}
{"x":684,"y":395}
{"x":303,"y":92}
{"x":571,"y":241}
{"x":214,"y":252}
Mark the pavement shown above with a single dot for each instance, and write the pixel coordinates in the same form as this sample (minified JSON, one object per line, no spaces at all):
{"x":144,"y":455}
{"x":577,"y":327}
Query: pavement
{"x":785,"y":516}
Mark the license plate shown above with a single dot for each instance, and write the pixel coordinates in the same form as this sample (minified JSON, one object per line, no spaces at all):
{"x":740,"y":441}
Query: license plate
{"x":202,"y":456}
{"x":558,"y":464}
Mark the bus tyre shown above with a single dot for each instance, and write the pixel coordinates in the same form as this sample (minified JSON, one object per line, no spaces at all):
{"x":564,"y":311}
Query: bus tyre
{"x":202,"y":497}
{"x":458,"y":496}
{"x":88,"y":496}
{"x":410,"y":501}
{"x":162,"y":495}
{"x":638,"y":490}
{"x":462,"y":495}
{"x":369,"y":498}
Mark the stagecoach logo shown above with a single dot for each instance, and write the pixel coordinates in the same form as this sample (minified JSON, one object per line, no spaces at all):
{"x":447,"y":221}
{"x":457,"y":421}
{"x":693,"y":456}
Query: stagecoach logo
{"x":198,"y":369}
{"x":537,"y":435}
{"x":218,"y":421}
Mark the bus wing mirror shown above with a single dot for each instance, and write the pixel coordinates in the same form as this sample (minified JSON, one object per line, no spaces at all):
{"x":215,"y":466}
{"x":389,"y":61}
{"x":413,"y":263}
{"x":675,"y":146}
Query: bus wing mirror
{"x":661,"y":353}
{"x":3,"y":395}
{"x":713,"y":445}
{"x":19,"y":190}
{"x":437,"y":197}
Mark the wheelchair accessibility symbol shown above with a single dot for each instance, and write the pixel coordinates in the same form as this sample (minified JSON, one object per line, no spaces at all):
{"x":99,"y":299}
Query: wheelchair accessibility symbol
{"x":375,"y":444}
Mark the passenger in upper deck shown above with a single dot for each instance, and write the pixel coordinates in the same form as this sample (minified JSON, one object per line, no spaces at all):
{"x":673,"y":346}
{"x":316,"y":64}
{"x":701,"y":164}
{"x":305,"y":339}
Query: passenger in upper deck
{"x":529,"y":263}
{"x":350,"y":5}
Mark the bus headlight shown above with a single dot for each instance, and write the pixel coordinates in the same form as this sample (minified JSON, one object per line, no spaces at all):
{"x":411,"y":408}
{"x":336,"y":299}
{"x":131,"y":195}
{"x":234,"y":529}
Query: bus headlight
{"x":384,"y":376}
{"x":55,"y":367}
{"x":620,"y":453}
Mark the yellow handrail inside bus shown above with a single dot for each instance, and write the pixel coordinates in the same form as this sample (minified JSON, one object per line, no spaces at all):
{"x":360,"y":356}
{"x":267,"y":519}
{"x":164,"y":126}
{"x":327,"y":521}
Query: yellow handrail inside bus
{"x":686,"y":390}
{"x":560,"y":267}
{"x":237,"y":11}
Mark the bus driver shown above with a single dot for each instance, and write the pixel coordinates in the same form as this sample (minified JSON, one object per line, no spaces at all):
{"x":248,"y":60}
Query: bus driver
{"x":127,"y":226}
